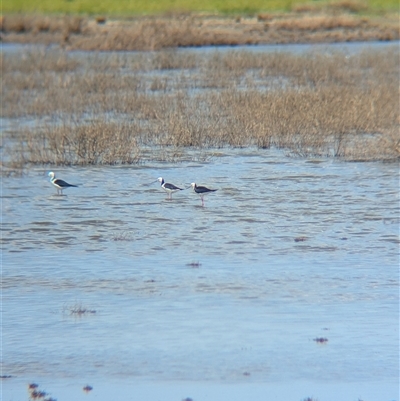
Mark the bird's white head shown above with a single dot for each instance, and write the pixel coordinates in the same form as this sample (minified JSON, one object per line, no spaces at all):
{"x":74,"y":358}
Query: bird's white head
{"x":51,"y":175}
{"x":160,"y":179}
{"x":193,"y":185}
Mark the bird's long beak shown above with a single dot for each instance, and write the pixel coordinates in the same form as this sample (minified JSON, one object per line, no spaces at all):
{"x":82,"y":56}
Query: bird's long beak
{"x":146,"y":185}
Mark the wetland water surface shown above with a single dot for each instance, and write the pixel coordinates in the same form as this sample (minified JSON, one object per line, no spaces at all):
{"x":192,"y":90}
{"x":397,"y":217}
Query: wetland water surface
{"x":221,"y":302}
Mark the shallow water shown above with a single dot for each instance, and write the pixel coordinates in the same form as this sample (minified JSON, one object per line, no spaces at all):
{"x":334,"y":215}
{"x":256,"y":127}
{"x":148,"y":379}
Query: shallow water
{"x":351,"y":47}
{"x":190,"y":297}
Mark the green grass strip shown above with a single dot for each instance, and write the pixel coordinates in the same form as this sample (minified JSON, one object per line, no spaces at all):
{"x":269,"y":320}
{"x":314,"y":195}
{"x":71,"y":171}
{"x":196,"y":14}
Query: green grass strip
{"x":138,"y":7}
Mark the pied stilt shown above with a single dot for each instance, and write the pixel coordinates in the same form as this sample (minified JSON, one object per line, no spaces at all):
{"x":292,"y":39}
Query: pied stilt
{"x":201,"y":191}
{"x":169,"y":188}
{"x":59,"y":184}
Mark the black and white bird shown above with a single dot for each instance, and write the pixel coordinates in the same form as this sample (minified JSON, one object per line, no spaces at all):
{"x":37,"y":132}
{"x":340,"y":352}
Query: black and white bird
{"x":169,"y":188}
{"x":59,"y":184}
{"x":201,"y":191}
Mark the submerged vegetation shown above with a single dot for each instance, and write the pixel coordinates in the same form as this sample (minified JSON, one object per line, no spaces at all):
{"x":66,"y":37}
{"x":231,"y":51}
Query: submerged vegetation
{"x":121,"y":108}
{"x":78,"y":310}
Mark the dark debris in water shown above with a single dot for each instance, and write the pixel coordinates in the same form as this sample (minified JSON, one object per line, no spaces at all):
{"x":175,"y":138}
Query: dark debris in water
{"x":300,"y":239}
{"x":194,"y":264}
{"x":82,"y":311}
{"x":79,"y":310}
{"x":87,"y":388}
{"x":321,"y":340}
{"x":36,"y":394}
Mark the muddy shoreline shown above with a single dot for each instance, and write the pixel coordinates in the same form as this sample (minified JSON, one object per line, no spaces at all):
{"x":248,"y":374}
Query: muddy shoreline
{"x":188,"y":30}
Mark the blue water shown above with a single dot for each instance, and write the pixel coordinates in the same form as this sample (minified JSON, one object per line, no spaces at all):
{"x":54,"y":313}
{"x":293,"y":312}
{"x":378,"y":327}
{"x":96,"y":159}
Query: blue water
{"x":230,"y":294}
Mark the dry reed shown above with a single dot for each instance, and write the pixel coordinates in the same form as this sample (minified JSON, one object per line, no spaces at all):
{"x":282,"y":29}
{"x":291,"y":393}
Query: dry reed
{"x":338,"y":23}
{"x":77,"y":309}
{"x":111,"y":109}
{"x":349,"y":6}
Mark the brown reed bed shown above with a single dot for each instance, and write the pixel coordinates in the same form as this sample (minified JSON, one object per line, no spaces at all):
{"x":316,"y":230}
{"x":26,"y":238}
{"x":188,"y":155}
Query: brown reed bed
{"x":350,"y":6}
{"x":75,"y":109}
{"x":338,"y":22}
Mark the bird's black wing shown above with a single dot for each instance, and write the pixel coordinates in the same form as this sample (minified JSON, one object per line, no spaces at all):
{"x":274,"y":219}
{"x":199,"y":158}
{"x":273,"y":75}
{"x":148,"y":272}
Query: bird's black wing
{"x":62,"y":183}
{"x":171,"y":187}
{"x":203,"y":190}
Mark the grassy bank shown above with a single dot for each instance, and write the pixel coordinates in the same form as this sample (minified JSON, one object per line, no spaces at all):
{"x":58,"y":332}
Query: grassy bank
{"x":122,"y":108}
{"x":154,"y":33}
{"x":129,"y":7}
{"x":154,"y":25}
